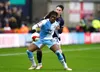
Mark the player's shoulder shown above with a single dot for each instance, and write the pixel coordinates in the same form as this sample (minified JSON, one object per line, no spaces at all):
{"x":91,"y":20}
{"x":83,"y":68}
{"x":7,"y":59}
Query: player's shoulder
{"x":44,"y":21}
{"x":61,"y":19}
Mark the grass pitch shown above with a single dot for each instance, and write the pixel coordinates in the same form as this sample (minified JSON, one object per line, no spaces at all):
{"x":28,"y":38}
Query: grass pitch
{"x":81,"y":58}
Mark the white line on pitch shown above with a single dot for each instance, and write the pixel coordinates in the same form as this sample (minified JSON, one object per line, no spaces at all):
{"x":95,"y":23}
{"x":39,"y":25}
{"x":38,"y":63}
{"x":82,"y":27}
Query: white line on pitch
{"x":48,"y":51}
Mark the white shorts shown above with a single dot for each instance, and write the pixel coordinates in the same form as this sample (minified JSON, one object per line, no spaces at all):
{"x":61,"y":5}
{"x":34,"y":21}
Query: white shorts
{"x":56,"y":40}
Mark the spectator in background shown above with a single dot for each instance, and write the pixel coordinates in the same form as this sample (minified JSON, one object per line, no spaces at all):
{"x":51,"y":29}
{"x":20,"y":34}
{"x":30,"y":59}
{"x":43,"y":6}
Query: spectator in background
{"x":65,"y":30}
{"x":82,"y":26}
{"x":85,"y":24}
{"x":12,"y":17}
{"x":24,"y":28}
{"x":5,"y":8}
{"x":13,"y":23}
{"x":7,"y":28}
{"x":19,"y":17}
{"x":2,"y":9}
{"x":17,"y":13}
{"x":96,"y":25}
{"x":89,"y":26}
{"x":1,"y":30}
{"x":14,"y":11}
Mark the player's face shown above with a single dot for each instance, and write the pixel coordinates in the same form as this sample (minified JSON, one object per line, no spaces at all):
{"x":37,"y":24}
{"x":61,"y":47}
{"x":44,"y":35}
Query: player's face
{"x":53,"y":18}
{"x":58,"y":10}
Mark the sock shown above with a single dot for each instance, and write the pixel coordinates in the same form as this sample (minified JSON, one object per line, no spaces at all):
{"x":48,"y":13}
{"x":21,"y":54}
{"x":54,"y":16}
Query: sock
{"x":31,"y":58}
{"x":40,"y":64}
{"x":64,"y":57}
{"x":60,"y":57}
{"x":64,"y":63}
{"x":39,"y":56}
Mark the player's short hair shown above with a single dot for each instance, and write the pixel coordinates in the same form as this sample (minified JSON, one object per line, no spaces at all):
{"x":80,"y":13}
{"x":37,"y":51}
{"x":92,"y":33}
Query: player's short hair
{"x":61,"y":6}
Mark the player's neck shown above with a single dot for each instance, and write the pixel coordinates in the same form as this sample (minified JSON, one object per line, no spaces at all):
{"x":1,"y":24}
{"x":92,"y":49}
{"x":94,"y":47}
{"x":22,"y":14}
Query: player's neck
{"x":58,"y":16}
{"x":52,"y":22}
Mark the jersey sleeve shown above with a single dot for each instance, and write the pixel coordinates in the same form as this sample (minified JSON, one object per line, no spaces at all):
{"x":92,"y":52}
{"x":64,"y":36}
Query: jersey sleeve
{"x":39,"y":24}
{"x":42,"y":22}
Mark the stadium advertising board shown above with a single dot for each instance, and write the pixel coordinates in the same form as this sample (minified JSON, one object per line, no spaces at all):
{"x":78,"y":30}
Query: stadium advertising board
{"x":95,"y":37}
{"x":80,"y":38}
{"x":28,"y":39}
{"x":65,"y":38}
{"x":22,"y":39}
{"x":9,"y":40}
{"x":72,"y":38}
{"x":18,"y":40}
{"x":14,"y":40}
{"x":18,"y":2}
{"x":87,"y":38}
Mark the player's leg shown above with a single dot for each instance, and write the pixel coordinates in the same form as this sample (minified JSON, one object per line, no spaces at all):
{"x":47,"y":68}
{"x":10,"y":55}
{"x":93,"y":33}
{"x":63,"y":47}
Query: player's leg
{"x":32,"y":47}
{"x":55,"y":48}
{"x":39,"y":56}
{"x":57,"y":51}
{"x":39,"y":59}
{"x":64,"y":56}
{"x":57,"y":40}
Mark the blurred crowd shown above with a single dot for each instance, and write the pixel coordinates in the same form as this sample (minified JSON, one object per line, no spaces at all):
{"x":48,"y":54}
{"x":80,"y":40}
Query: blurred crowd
{"x":12,"y":19}
{"x":89,"y":23}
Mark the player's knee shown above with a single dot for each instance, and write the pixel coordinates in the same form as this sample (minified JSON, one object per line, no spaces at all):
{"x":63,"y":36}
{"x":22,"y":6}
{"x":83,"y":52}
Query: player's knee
{"x":30,"y":54}
{"x":58,"y":53}
{"x":28,"y":51}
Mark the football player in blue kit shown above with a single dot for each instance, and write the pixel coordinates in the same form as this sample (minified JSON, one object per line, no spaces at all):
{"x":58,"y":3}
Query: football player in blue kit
{"x":59,"y":9}
{"x":47,"y":26}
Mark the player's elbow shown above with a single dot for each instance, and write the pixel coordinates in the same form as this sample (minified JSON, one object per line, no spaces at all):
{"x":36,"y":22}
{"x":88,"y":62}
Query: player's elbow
{"x":34,"y":27}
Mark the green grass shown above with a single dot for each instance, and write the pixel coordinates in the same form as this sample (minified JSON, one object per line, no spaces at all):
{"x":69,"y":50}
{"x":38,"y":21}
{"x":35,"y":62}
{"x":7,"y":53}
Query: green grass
{"x":81,"y":58}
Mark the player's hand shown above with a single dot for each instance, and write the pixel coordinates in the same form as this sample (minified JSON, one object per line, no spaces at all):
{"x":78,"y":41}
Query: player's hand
{"x":33,"y":31}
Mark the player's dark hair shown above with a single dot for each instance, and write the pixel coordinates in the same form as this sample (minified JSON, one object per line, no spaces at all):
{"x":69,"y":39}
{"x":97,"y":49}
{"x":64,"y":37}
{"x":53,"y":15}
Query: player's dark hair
{"x":51,"y":13}
{"x":61,"y":6}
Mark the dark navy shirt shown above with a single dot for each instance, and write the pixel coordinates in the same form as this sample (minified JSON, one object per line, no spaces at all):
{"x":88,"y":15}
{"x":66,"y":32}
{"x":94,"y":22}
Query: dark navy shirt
{"x":61,"y":24}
